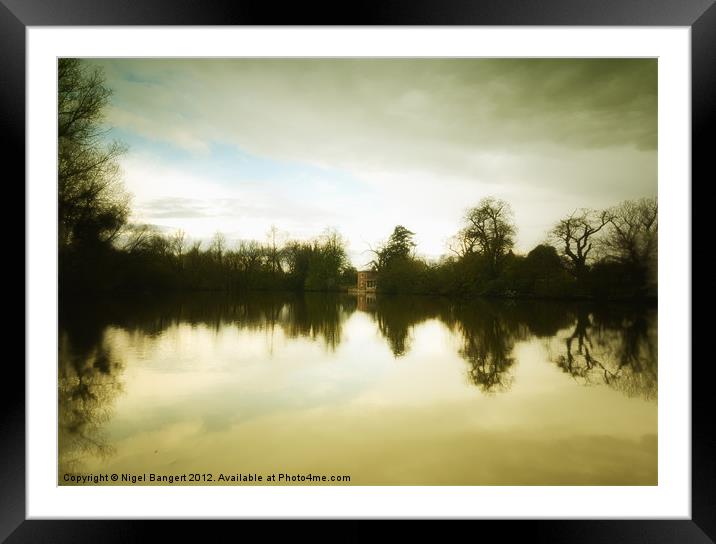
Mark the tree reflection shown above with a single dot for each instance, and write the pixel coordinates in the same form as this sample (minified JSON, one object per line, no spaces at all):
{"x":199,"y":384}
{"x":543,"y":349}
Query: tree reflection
{"x":396,"y":327}
{"x":489,"y":333}
{"x":577,"y":359}
{"x":397,"y":316}
{"x":616,"y":348}
{"x":316,"y":317}
{"x":89,"y":382}
{"x":487,"y":352}
{"x":487,"y":330}
{"x":615,"y":345}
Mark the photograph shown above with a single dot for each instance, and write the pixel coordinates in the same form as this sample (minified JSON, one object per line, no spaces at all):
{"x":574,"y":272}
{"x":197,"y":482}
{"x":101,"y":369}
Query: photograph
{"x":357,"y":271}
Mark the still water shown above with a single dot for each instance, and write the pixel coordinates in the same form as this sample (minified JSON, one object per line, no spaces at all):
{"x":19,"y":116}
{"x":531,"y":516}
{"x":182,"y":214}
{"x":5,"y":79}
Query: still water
{"x":386,"y":390}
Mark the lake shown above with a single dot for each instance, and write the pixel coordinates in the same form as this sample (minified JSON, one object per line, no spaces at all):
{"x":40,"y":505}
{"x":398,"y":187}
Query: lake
{"x":402,"y":390}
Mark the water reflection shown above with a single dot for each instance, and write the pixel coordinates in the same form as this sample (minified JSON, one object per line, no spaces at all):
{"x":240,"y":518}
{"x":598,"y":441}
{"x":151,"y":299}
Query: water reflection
{"x":488,"y":341}
{"x":89,"y":380}
{"x":611,"y":347}
{"x":615,"y":348}
{"x":488,"y":331}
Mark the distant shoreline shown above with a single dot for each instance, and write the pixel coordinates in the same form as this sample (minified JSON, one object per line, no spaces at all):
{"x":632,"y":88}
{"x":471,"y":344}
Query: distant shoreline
{"x":355,"y":292}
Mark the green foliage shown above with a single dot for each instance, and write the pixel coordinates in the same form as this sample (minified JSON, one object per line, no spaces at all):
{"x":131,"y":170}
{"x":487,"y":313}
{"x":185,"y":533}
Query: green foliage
{"x":145,"y":260}
{"x":400,"y":246}
{"x":404,"y":274}
{"x":620,"y":280}
{"x":541,"y":274}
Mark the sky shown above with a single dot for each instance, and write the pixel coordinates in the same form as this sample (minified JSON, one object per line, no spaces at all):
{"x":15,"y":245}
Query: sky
{"x":363,"y":145}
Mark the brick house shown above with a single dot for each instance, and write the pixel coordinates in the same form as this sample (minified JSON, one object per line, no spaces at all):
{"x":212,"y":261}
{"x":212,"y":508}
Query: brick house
{"x":367,"y":280}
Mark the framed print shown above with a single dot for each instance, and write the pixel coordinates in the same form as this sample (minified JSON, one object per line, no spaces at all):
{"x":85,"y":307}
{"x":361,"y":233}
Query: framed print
{"x":405,"y":266}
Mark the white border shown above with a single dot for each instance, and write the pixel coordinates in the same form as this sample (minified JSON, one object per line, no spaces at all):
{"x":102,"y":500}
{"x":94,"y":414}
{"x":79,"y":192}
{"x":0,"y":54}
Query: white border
{"x":670,"y":499}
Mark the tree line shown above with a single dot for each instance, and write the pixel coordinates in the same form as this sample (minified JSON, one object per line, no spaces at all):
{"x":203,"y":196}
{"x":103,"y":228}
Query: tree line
{"x":591,"y":253}
{"x":100,"y":249}
{"x":609,"y":253}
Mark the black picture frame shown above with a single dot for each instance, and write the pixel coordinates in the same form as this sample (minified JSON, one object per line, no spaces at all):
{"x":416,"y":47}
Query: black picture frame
{"x":699,"y":15}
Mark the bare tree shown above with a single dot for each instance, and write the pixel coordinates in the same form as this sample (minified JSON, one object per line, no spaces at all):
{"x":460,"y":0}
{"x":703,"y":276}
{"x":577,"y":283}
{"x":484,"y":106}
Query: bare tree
{"x":632,"y":233}
{"x":276,"y":240}
{"x":177,"y":247}
{"x":575,"y":236}
{"x":218,"y":246}
{"x":178,"y":243}
{"x":489,"y":230}
{"x":137,"y":237}
{"x":92,"y":203}
{"x":462,"y":243}
{"x":249,"y":255}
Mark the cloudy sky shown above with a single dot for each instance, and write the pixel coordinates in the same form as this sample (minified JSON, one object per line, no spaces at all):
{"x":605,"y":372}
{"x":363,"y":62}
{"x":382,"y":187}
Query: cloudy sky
{"x":361,"y":145}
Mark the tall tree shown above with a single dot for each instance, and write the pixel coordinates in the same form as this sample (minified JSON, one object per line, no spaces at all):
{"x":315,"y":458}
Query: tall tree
{"x":92,"y":203}
{"x":178,"y":244}
{"x":275,"y":250}
{"x":489,"y":230}
{"x":632,"y":234}
{"x":217,"y":247}
{"x":400,"y":244}
{"x":327,"y":261}
{"x":575,"y":236}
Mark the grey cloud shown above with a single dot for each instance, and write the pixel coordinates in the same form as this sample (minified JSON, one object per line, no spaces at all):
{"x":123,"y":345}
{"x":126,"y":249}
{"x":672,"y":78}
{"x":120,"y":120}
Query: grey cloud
{"x":569,"y":132}
{"x":175,"y":208}
{"x":389,"y":111}
{"x":183,"y":208}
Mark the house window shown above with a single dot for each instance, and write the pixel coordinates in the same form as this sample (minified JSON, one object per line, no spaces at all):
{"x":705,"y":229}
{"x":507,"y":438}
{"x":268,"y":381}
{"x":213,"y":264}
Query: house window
{"x":370,"y":284}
